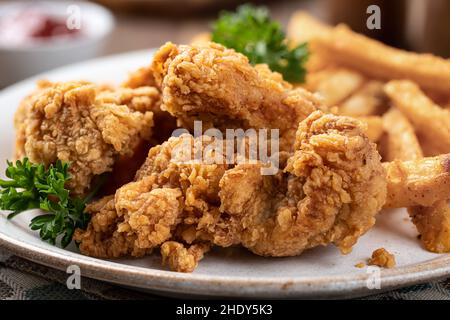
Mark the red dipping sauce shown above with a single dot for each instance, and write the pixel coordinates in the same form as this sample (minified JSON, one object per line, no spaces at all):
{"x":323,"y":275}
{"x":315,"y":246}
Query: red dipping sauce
{"x":32,"y":25}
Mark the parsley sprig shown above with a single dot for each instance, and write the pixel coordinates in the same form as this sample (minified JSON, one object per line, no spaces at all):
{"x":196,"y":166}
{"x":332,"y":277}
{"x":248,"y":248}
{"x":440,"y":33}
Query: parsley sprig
{"x":32,"y":186}
{"x":251,"y":31}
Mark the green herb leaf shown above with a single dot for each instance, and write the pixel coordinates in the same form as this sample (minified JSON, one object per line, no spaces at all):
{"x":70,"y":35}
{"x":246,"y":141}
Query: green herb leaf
{"x":251,"y":32}
{"x":32,"y":186}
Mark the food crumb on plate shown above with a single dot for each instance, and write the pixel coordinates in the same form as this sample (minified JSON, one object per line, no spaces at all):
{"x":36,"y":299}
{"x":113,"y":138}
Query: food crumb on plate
{"x":382,"y":258}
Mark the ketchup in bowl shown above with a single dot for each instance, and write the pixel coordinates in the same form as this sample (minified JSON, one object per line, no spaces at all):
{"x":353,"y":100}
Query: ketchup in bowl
{"x":33,"y":25}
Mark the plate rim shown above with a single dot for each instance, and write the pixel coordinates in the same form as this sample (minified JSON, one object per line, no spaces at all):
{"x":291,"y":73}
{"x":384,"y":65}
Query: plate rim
{"x":347,"y":285}
{"x":351,"y":285}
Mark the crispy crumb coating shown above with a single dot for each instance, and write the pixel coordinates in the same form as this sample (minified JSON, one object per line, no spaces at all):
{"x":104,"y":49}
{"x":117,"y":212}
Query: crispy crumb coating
{"x":219,"y":87}
{"x":169,"y":200}
{"x":180,"y":258}
{"x":142,"y":77}
{"x":102,"y":237}
{"x":164,"y":122}
{"x":331,"y":190}
{"x":79,"y":123}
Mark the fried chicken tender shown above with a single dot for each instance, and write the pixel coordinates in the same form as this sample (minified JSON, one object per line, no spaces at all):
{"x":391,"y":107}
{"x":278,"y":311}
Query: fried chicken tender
{"x":83,"y":124}
{"x":170,"y":200}
{"x":142,"y":77}
{"x":102,"y":237}
{"x":219,"y":87}
{"x":164,"y":122}
{"x":330,"y":191}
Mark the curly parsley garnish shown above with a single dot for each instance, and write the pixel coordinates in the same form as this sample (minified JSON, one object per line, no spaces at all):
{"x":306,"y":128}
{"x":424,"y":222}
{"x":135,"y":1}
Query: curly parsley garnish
{"x":32,"y":186}
{"x":251,"y":32}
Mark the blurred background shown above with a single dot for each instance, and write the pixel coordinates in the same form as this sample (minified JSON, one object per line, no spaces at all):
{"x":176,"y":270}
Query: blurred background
{"x":419,"y":25}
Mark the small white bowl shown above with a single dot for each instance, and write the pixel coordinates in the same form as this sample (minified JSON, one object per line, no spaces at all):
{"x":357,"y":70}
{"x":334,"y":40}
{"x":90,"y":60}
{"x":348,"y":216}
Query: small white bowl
{"x":19,"y":61}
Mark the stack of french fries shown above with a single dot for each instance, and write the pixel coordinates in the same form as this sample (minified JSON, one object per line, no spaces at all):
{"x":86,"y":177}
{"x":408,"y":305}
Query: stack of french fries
{"x":403,"y":97}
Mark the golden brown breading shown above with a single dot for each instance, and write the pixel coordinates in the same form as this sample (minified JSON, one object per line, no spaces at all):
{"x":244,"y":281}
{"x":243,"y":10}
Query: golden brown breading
{"x":142,"y":77}
{"x":168,"y":200}
{"x":140,"y":99}
{"x":78,"y":123}
{"x":181,"y":259}
{"x":329,"y":192}
{"x":332,"y":188}
{"x":143,"y":80}
{"x":219,"y":87}
{"x":102,"y":239}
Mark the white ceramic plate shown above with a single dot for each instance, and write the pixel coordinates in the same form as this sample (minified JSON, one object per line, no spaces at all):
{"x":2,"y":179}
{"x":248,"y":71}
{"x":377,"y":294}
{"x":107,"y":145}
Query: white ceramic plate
{"x":321,"y":272}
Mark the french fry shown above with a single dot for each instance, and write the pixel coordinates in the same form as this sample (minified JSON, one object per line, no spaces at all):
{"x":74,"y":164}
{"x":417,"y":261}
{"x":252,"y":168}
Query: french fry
{"x":433,"y":224}
{"x":432,"y":147}
{"x":401,"y":140}
{"x":303,"y":28}
{"x":447,"y":105}
{"x":368,"y":100}
{"x":421,"y":182}
{"x":344,"y":47}
{"x":374,"y":127}
{"x":432,"y":121}
{"x":334,"y":85}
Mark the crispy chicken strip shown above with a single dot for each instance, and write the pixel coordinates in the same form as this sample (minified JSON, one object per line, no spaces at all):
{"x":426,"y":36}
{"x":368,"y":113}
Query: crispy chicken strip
{"x":331,"y":190}
{"x":76,"y":123}
{"x":321,"y":198}
{"x":141,"y":80}
{"x":219,"y":87}
{"x":171,"y":199}
{"x":344,"y":47}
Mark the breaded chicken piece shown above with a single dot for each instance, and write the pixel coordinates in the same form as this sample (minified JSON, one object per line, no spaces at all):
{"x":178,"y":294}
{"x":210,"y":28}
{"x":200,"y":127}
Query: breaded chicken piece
{"x":164,"y":122}
{"x":169,"y":200}
{"x":142,"y":77}
{"x":80,"y":123}
{"x":330,"y":191}
{"x":180,"y":258}
{"x":102,"y":236}
{"x":219,"y":87}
